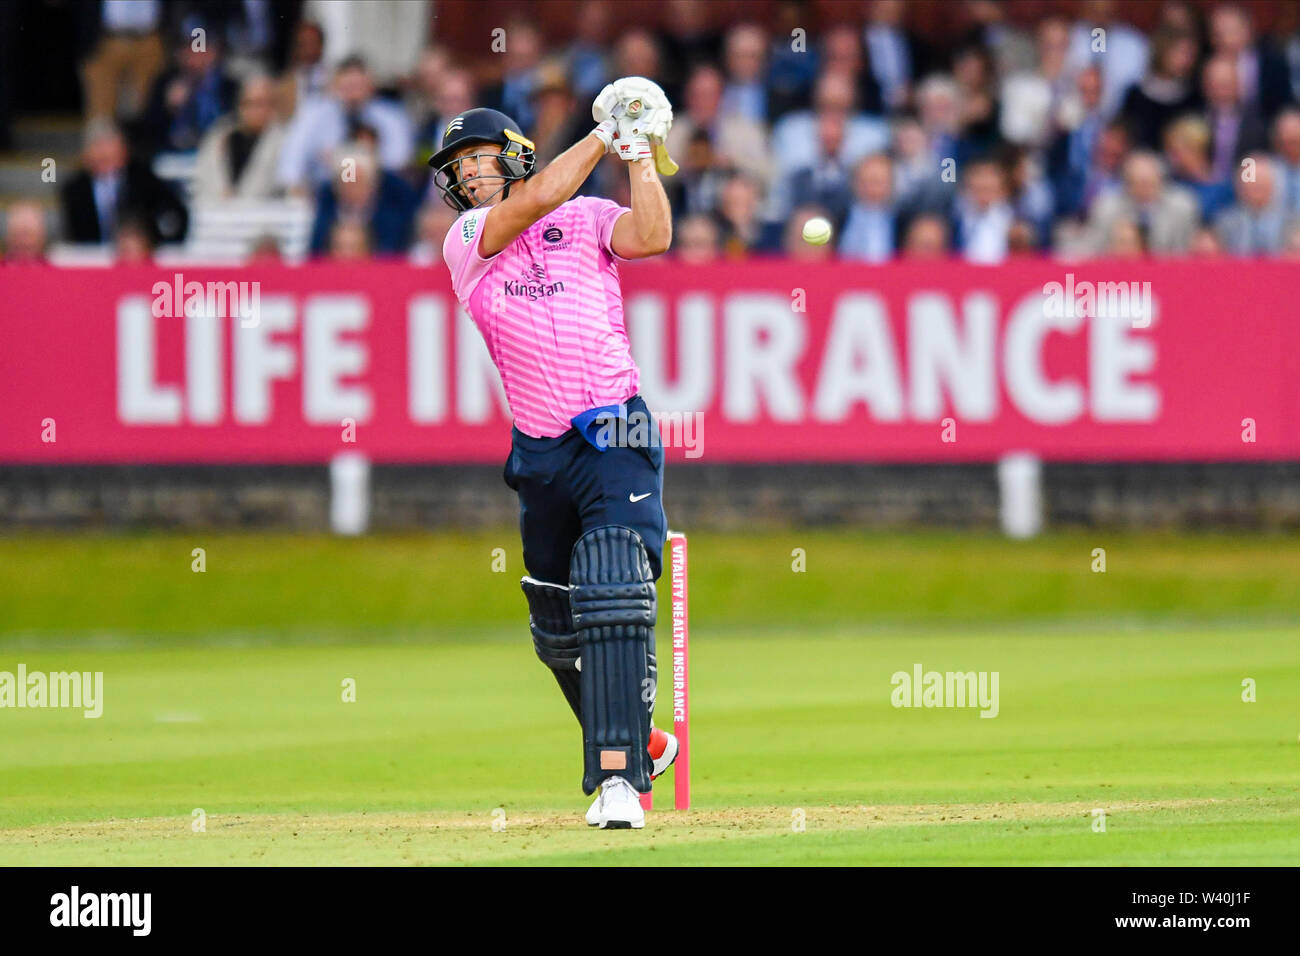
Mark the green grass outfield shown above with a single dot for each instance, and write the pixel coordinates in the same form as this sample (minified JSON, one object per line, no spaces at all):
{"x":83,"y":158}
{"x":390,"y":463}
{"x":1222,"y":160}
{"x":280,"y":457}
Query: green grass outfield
{"x":1119,"y":691}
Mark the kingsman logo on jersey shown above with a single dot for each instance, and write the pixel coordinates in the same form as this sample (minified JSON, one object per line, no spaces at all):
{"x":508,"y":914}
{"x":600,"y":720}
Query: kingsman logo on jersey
{"x":530,"y":290}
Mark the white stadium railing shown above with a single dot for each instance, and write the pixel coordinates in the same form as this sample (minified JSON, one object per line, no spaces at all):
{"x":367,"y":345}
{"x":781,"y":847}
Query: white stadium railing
{"x":232,"y":229}
{"x":223,"y":233}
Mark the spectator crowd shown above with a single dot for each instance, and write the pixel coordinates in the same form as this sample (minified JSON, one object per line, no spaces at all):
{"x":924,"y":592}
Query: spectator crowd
{"x":1076,"y":135}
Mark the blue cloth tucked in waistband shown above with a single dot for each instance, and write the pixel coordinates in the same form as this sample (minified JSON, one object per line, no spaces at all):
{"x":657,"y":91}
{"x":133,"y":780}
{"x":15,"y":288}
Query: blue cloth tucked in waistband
{"x":590,"y":424}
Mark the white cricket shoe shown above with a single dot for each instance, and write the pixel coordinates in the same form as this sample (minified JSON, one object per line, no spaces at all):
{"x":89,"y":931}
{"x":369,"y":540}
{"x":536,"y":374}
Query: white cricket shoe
{"x":617,"y":806}
{"x":663,"y":751}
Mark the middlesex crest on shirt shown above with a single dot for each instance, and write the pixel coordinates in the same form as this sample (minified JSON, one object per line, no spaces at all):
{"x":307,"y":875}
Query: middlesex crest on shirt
{"x":553,"y":236}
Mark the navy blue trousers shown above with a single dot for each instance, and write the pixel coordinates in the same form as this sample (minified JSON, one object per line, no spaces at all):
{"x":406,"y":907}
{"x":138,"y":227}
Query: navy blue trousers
{"x":566,"y":487}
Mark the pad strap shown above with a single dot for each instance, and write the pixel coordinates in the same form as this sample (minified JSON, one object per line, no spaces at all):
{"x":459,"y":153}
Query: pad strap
{"x":550,"y":620}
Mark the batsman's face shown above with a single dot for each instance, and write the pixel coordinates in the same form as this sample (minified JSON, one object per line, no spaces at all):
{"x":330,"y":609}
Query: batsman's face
{"x":477,"y":168}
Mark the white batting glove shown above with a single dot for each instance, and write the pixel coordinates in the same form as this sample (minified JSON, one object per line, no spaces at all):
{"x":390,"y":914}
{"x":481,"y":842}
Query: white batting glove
{"x":649,"y":122}
{"x":650,"y":93}
{"x":620,"y":140}
{"x":644,"y":117}
{"x":606,"y":104}
{"x":629,"y":144}
{"x":636,"y":97}
{"x":625,"y":142}
{"x":605,"y":131}
{"x":652,"y":125}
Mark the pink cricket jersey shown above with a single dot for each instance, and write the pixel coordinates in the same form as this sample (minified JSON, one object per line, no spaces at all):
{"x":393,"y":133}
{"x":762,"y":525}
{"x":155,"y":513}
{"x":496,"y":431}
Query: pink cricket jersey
{"x":550,"y":308}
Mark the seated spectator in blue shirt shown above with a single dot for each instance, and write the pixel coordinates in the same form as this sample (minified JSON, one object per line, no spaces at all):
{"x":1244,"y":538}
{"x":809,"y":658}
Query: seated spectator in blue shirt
{"x":743,"y":232}
{"x":842,"y":53}
{"x":1236,"y":126}
{"x":1187,"y":149}
{"x":794,"y":138}
{"x":896,"y":54}
{"x":186,"y":99}
{"x":323,"y":122}
{"x":586,"y":55}
{"x":745,"y":95}
{"x":688,"y":37}
{"x":1262,"y":67}
{"x":523,"y":56}
{"x":870,"y":231}
{"x":1031,"y":196}
{"x":826,"y":181}
{"x":797,"y":141}
{"x":793,"y":62}
{"x":1286,"y":143}
{"x":1257,"y":224}
{"x":919,"y":183}
{"x":699,"y":180}
{"x":1071,"y":153}
{"x":455,"y":94}
{"x":364,"y":194}
{"x":983,"y":215}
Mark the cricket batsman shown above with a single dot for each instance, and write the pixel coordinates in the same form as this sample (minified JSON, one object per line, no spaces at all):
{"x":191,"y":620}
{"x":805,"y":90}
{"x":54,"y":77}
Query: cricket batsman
{"x":537,"y":271}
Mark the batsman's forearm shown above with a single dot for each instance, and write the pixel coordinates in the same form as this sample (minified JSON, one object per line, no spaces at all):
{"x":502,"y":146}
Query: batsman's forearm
{"x":651,"y":214}
{"x":561,"y":178}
